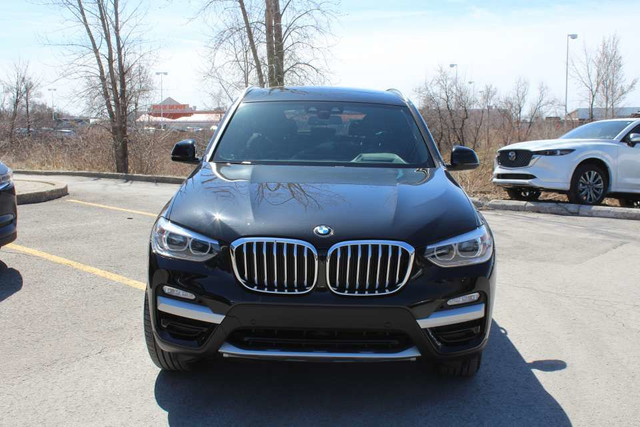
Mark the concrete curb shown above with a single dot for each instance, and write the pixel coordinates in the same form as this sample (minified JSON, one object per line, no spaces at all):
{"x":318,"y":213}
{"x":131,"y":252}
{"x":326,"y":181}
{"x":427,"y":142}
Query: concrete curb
{"x":160,"y":179}
{"x":559,"y":208}
{"x":56,"y":191}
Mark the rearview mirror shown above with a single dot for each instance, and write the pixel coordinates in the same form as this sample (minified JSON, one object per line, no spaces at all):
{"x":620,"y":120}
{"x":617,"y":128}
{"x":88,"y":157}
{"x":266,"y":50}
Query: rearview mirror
{"x":634,"y":139}
{"x":185,"y":152}
{"x":463,"y":158}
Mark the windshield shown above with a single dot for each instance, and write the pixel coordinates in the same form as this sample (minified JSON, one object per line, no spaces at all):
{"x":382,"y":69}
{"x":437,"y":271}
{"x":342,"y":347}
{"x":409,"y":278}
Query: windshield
{"x":598,"y":130}
{"x":335,"y":133}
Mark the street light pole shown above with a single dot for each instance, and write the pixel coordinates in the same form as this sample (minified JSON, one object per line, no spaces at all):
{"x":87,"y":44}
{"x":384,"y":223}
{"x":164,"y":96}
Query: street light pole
{"x":456,"y":67}
{"x":53,"y":108}
{"x":161,"y":74}
{"x":566,"y":81}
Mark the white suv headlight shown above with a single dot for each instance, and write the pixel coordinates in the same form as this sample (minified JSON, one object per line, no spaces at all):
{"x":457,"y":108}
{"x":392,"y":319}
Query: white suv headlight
{"x":6,"y":179}
{"x":173,"y":241}
{"x":474,"y":247}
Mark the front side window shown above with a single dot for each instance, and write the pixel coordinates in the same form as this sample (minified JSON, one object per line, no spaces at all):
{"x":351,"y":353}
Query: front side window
{"x":598,"y":130}
{"x":332,"y":133}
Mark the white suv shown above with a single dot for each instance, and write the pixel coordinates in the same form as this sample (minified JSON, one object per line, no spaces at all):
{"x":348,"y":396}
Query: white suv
{"x":590,"y":162}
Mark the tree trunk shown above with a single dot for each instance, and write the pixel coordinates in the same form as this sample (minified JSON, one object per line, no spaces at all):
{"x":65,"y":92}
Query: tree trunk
{"x":14,"y":117}
{"x":120,"y":147}
{"x":268,"y":20}
{"x":252,"y":43}
{"x":278,"y":43}
{"x":26,"y":105}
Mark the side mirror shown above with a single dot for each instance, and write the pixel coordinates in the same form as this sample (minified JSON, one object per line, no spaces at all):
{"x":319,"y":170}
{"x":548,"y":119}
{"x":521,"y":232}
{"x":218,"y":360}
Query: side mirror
{"x":634,"y":139}
{"x":185,"y":152}
{"x":463,"y":158}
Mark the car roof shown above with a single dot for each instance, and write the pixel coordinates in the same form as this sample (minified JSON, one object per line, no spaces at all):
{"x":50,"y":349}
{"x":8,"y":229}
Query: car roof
{"x":323,"y":93}
{"x":622,"y":119}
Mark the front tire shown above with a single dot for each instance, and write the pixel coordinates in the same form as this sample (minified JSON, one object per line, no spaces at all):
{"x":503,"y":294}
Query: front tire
{"x":464,"y":367}
{"x":522,"y":193}
{"x":588,"y":185}
{"x":162,"y":359}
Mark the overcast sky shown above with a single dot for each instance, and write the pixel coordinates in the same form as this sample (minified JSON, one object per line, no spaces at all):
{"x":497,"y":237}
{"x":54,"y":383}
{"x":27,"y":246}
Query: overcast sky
{"x":378,"y":44}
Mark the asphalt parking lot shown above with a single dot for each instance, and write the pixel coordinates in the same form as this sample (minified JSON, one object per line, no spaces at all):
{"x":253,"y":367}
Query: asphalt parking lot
{"x":563,"y":349}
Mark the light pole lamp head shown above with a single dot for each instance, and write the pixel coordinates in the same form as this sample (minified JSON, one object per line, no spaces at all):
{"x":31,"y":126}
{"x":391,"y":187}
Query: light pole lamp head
{"x":453,"y":65}
{"x":572,"y":36}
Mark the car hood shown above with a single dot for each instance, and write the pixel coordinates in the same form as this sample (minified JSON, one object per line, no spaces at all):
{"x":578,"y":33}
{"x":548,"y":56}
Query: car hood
{"x":228,"y":201}
{"x":418,"y":206}
{"x":555,"y":144}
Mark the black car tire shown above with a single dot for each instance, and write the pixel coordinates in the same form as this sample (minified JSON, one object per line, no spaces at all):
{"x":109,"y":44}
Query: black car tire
{"x":526,"y":194}
{"x":464,"y":367}
{"x":163,"y":360}
{"x":582,"y":178}
{"x":629,"y":203}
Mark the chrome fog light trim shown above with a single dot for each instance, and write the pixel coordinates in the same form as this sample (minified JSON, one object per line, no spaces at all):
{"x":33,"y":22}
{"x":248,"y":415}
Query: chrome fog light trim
{"x":453,"y":316}
{"x":175,"y":292}
{"x":188,"y":310}
{"x":464,"y":299}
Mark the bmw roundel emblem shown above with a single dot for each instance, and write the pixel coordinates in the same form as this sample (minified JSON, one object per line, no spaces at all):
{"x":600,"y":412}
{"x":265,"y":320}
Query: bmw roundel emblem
{"x":512,"y":155}
{"x":323,"y":230}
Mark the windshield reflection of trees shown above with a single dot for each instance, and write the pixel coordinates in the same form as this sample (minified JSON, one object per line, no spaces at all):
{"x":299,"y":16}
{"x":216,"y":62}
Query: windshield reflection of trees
{"x":230,"y":181}
{"x":227,"y":182}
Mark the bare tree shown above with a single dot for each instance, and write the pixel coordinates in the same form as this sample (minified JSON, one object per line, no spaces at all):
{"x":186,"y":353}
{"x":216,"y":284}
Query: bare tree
{"x":231,"y":62}
{"x":14,"y":86}
{"x":600,"y":73}
{"x":614,"y":86}
{"x":30,"y":93}
{"x":520,"y":113}
{"x":487,"y":100}
{"x":587,"y":71}
{"x":452,"y":108}
{"x":286,"y":41}
{"x":251,"y":41}
{"x":108,"y":59}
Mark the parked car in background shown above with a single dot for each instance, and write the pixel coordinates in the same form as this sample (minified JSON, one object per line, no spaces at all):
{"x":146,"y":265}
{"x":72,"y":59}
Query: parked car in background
{"x":596,"y":160}
{"x":321,"y":224}
{"x":8,"y":208}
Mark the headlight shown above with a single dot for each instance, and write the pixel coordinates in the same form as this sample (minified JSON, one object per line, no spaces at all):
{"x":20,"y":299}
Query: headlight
{"x":553,"y":152}
{"x":173,"y":241}
{"x":6,"y":179}
{"x":474,"y":247}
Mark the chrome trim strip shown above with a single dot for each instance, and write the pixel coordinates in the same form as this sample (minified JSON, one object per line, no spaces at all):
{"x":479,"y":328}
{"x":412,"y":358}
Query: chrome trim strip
{"x":188,"y":310}
{"x":308,"y":247}
{"x":453,"y":316}
{"x":390,"y":244}
{"x":230,"y":350}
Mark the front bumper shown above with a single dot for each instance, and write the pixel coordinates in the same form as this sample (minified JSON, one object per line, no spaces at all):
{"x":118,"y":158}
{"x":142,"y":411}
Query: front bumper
{"x":228,"y":319}
{"x":317,"y":317}
{"x":543,"y":172}
{"x":8,"y":215}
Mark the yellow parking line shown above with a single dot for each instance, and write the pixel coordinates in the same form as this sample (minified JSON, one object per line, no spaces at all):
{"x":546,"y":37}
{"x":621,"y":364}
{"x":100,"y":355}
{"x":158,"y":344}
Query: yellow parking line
{"x":86,"y":268}
{"x":113,"y":208}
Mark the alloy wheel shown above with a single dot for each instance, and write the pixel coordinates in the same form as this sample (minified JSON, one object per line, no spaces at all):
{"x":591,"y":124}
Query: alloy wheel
{"x":591,"y":186}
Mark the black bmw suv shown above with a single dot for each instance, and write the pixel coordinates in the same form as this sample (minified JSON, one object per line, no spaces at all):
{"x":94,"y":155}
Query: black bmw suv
{"x":8,"y":208}
{"x":320,"y":224}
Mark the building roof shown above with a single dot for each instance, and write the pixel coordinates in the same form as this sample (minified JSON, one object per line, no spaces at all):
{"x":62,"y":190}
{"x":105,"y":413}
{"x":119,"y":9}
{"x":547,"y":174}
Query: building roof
{"x":169,"y":101}
{"x":599,"y":113}
{"x":319,"y":93}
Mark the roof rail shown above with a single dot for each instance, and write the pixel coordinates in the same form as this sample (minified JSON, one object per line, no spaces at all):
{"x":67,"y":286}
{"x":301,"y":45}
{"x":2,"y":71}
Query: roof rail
{"x":397,"y":92}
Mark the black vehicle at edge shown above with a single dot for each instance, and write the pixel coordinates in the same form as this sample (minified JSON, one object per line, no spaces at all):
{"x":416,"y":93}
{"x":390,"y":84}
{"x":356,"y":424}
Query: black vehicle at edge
{"x":276,"y":247}
{"x":8,"y":208}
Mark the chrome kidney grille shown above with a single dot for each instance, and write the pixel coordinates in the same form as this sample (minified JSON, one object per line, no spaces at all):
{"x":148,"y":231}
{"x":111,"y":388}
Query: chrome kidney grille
{"x":276,"y":266}
{"x":369,"y":267}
